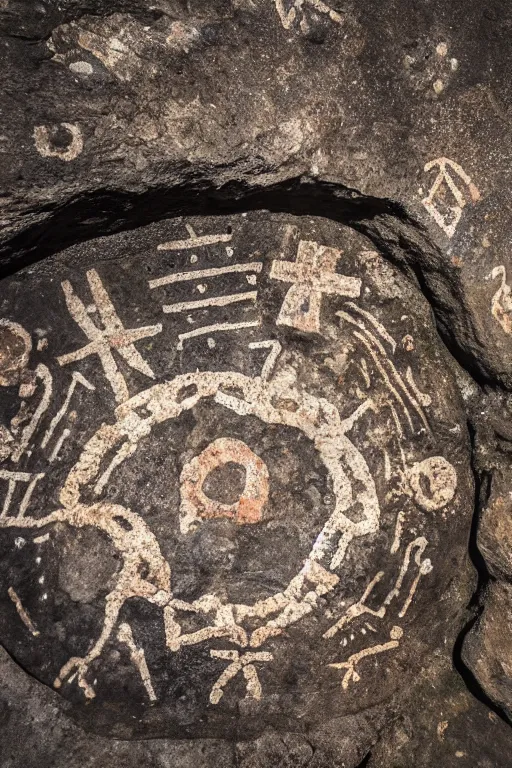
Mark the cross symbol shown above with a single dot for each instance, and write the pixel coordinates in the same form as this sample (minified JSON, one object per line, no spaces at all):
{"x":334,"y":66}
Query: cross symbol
{"x":113,"y":336}
{"x":239,"y":663}
{"x":313,"y":274}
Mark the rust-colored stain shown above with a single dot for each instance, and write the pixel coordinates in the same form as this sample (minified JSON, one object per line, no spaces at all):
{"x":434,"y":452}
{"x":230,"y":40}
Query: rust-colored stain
{"x":225,"y":450}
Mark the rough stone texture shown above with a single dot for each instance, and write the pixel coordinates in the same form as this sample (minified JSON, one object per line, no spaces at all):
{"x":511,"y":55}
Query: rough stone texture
{"x":487,"y":650}
{"x":450,"y":730}
{"x":495,"y":529}
{"x":118,"y":115}
{"x":366,"y":101}
{"x":287,"y":462}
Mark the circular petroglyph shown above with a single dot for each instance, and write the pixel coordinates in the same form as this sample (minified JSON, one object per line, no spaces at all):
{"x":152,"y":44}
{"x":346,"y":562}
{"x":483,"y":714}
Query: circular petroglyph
{"x":64,"y":141}
{"x":254,"y":451}
{"x":433,"y":482}
{"x":196,"y":503}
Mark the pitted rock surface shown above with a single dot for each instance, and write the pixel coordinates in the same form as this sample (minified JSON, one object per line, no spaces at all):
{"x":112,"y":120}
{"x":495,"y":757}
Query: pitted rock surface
{"x":236,"y":487}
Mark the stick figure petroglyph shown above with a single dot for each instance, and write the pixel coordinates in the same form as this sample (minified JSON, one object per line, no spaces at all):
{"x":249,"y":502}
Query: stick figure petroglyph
{"x":145,"y":572}
{"x":350,"y":665}
{"x":243,"y":663}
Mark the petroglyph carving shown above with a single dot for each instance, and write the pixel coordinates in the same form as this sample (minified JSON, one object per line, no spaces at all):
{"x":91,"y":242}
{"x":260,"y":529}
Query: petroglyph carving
{"x":12,"y":479}
{"x":144,"y":571}
{"x":269,"y":364}
{"x":316,"y":418}
{"x":501,"y":306}
{"x":196,"y":504}
{"x":433,"y":483}
{"x":360,"y":608}
{"x":113,"y":336}
{"x":138,"y":657}
{"x":350,"y":665}
{"x":200,"y":274}
{"x":193,"y":241}
{"x":312,"y":274}
{"x":47,"y":141}
{"x":209,"y":301}
{"x":43,"y":374}
{"x":22,"y":613}
{"x":207,"y":330}
{"x":239,"y":663}
{"x":76,"y":379}
{"x":274,"y":440}
{"x":394,"y":382}
{"x":423,"y":399}
{"x":443,"y":184}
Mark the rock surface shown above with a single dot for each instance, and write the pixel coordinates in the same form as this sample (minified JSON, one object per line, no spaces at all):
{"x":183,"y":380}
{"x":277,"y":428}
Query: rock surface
{"x":256,"y":537}
{"x":379,"y":130}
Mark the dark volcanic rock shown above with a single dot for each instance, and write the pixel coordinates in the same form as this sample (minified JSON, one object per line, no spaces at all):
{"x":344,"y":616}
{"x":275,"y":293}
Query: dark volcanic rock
{"x":237,"y":489}
{"x":487,"y":650}
{"x":237,"y":506}
{"x":452,"y":730}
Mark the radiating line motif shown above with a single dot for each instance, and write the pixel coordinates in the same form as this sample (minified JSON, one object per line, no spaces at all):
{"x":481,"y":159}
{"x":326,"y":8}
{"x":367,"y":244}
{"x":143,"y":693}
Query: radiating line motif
{"x":390,"y":375}
{"x":113,"y":336}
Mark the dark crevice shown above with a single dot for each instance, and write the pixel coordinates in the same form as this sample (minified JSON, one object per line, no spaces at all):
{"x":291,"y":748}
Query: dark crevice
{"x":109,"y":211}
{"x":364,"y":762}
{"x":199,"y":192}
{"x":467,"y":675}
{"x":482,"y":482}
